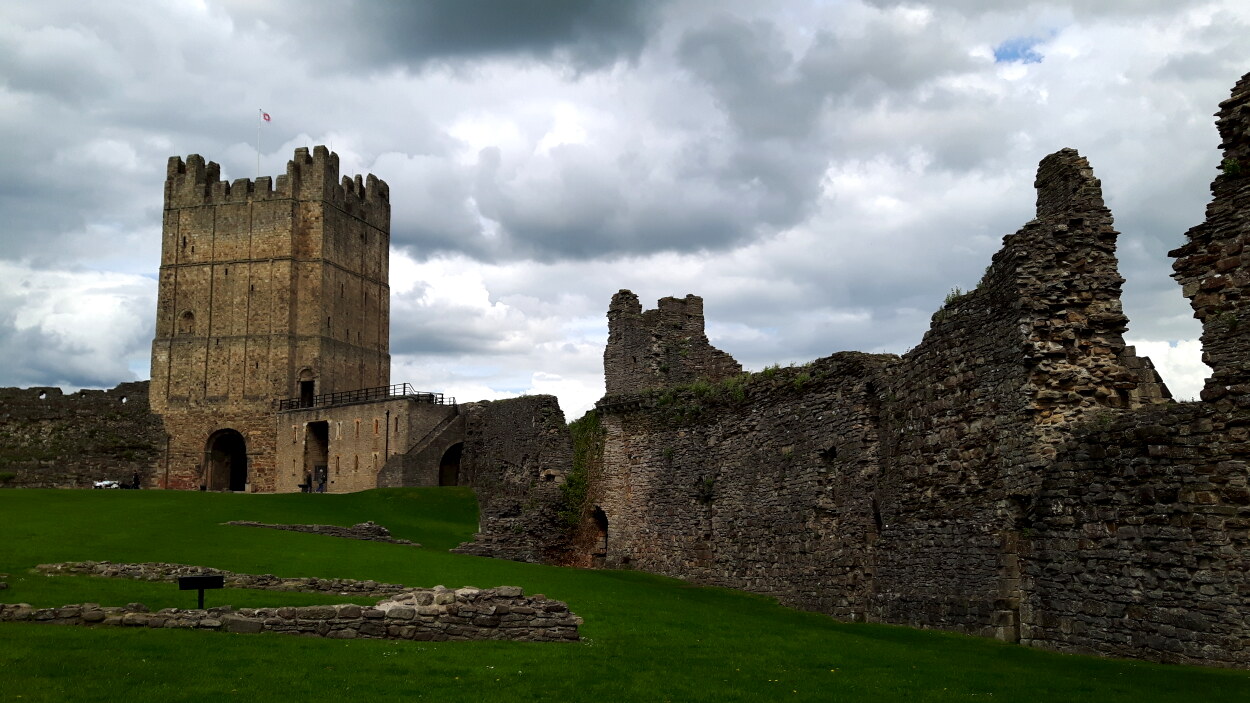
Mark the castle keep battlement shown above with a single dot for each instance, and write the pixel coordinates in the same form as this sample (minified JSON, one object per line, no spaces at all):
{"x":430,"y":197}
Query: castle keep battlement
{"x":308,"y":176}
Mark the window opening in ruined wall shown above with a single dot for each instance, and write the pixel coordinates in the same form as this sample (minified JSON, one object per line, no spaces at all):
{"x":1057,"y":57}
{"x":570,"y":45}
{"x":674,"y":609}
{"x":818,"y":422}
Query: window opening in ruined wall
{"x":186,"y":323}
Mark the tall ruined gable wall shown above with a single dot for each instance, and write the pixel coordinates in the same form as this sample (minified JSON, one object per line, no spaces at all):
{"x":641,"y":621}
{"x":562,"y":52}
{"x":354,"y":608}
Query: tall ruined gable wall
{"x":1140,"y":538}
{"x":974,"y":411}
{"x":52,"y":440}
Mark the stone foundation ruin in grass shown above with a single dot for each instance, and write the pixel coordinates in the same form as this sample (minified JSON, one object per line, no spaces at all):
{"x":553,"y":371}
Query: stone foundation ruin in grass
{"x":424,"y":614}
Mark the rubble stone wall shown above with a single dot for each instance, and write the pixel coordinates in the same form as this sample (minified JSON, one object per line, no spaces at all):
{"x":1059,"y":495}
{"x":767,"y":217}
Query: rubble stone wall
{"x":437,"y":614}
{"x":52,"y":440}
{"x":1020,"y":474}
{"x":430,"y":616}
{"x":1138,"y":544}
{"x":879,"y":487}
{"x":516,"y":455}
{"x":660,"y":348}
{"x":762,"y":483}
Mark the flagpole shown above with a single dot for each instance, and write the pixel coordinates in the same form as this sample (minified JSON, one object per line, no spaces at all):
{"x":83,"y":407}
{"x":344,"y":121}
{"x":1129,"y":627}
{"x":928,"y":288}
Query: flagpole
{"x":260,"y":117}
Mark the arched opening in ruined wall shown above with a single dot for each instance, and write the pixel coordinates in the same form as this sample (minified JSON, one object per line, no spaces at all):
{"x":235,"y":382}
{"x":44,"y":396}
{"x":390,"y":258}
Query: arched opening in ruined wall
{"x":225,"y":461}
{"x":600,"y":519}
{"x":449,"y":465}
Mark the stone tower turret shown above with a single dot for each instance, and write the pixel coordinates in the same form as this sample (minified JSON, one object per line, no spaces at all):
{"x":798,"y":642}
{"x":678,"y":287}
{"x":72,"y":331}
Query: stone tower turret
{"x":660,"y":348}
{"x":267,"y":291}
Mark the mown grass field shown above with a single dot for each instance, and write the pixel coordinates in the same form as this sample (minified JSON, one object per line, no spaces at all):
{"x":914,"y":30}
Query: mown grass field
{"x":645,"y":638}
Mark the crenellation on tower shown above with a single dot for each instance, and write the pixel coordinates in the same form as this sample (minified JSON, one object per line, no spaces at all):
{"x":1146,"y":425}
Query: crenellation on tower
{"x":310,"y":176}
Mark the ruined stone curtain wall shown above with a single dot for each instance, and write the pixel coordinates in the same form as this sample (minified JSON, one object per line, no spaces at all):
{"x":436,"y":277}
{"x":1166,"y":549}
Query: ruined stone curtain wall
{"x":52,"y":440}
{"x":1139,"y":544}
{"x":763,"y":484}
{"x":890,"y":489}
{"x":952,"y":420}
{"x":516,"y":455}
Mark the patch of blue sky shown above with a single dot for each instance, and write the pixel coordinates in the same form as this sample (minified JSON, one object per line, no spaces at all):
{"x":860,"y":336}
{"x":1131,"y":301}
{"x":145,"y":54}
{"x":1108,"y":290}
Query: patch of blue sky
{"x":1019,"y":49}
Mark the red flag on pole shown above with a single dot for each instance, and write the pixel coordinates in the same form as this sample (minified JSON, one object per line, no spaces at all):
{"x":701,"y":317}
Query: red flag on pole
{"x":265,"y":116}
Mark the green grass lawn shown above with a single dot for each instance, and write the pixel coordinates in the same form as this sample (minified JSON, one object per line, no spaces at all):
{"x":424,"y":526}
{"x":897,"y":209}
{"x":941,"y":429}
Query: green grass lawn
{"x":645,"y":638}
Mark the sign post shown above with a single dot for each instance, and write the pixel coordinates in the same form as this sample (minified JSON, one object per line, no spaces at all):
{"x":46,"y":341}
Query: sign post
{"x":200,"y":583}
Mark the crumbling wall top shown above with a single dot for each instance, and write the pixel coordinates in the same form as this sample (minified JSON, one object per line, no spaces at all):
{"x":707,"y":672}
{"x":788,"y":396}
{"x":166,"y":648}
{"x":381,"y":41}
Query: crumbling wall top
{"x":1213,"y":266}
{"x":660,"y":348}
{"x":1065,"y":184}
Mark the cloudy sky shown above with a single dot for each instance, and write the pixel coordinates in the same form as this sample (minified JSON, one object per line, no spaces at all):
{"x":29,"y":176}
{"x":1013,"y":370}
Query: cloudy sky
{"x":822,"y":172}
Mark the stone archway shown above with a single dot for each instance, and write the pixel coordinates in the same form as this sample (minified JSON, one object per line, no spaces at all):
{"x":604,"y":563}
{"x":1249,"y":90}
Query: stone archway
{"x":449,"y":465}
{"x":225,"y":461}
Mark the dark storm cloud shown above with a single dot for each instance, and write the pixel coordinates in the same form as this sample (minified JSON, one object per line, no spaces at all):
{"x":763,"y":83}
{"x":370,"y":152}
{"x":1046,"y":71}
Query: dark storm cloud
{"x":587,"y":34}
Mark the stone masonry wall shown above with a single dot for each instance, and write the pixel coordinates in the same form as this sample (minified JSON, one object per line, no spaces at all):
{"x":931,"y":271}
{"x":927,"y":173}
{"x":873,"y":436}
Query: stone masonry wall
{"x":879,"y":487}
{"x":1139,"y":544}
{"x":975,"y":410}
{"x":52,"y":440}
{"x":1139,"y":541}
{"x":190,"y":433}
{"x":516,"y":455}
{"x":660,"y":348}
{"x":436,"y":615}
{"x":762,"y":482}
{"x":368,"y":444}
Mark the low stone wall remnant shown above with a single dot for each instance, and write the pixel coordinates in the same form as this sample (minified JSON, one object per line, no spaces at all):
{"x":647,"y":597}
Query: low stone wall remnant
{"x":434,"y":615}
{"x":159,"y":571}
{"x":425,"y":614}
{"x":368,"y":531}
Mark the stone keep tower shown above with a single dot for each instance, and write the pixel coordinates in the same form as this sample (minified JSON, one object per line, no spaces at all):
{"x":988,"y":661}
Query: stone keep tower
{"x":267,"y":291}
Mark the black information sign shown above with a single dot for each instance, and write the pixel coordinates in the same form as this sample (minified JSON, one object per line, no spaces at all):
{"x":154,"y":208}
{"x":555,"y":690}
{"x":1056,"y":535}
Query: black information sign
{"x":199,"y":583}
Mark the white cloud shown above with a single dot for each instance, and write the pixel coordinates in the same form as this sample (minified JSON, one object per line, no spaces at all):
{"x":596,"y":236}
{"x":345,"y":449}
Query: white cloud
{"x":1179,"y":365}
{"x":74,"y":328}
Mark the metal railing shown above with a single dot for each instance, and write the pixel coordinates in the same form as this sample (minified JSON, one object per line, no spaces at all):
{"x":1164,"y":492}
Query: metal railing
{"x":364,"y":395}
